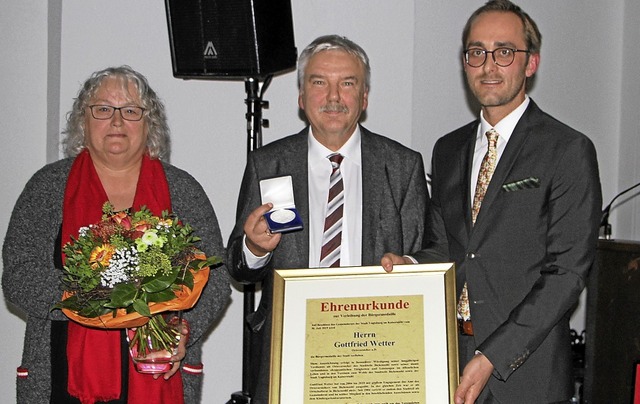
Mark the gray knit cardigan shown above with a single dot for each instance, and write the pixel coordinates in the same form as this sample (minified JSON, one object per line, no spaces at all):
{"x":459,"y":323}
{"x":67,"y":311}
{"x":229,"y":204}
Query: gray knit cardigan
{"x":31,"y":283}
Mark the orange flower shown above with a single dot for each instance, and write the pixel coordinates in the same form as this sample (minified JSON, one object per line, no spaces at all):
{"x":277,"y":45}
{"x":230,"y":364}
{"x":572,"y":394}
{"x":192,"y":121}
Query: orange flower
{"x":101,"y":255}
{"x":142,"y":226}
{"x":123,"y":219}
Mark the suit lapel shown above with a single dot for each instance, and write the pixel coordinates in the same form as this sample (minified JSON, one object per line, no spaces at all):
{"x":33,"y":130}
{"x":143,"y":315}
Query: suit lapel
{"x":294,"y":161}
{"x":465,"y":169}
{"x":507,"y":160}
{"x":373,"y":176}
{"x":458,"y":207}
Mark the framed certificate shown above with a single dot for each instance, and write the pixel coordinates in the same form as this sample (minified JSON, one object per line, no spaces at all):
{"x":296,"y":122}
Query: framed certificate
{"x":361,"y":335}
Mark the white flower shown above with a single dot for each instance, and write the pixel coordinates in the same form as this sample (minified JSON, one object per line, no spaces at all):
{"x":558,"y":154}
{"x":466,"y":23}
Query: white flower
{"x":84,"y":231}
{"x":123,"y":263}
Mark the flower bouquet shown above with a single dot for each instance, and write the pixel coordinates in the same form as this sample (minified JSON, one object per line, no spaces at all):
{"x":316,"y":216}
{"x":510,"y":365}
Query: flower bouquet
{"x":126,"y":270}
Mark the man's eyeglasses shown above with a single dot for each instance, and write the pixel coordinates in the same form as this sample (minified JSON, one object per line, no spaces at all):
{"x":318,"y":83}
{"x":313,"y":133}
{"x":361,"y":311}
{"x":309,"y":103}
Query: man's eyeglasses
{"x":128,"y":113}
{"x":503,"y":57}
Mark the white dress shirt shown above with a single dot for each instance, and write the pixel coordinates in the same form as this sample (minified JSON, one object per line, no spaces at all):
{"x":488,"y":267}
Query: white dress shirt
{"x":504,"y":128}
{"x":319,"y":174}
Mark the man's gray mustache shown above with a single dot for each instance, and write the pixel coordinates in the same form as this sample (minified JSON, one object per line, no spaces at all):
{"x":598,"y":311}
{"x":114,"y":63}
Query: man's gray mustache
{"x":334,"y":108}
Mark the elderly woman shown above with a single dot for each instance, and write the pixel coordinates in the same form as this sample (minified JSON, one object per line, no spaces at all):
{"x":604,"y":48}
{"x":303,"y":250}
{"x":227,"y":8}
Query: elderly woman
{"x":116,"y":137}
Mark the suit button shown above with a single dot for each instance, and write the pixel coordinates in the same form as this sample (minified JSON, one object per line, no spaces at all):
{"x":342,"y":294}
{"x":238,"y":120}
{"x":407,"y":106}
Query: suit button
{"x":471,"y":255}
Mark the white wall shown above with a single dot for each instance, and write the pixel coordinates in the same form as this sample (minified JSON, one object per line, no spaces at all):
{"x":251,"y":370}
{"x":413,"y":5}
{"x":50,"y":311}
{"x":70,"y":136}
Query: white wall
{"x":628,"y":223}
{"x":23,"y":113}
{"x":587,"y":79}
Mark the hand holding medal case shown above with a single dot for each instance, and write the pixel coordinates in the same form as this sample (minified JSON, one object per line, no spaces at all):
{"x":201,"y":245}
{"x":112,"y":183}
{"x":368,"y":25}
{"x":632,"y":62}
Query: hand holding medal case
{"x":283,"y":217}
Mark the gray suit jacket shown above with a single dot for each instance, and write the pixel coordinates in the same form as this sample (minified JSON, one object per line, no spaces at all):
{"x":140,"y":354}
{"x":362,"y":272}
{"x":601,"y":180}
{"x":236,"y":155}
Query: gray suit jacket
{"x":526,"y":259}
{"x":395,"y":205}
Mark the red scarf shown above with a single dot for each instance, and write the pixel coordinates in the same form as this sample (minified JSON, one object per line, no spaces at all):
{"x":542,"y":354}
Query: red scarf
{"x":94,"y":355}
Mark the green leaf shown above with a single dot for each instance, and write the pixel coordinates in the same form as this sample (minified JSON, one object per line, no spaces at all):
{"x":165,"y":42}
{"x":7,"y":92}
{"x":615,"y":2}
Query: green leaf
{"x":155,"y":285}
{"x":70,"y":303}
{"x":94,"y":308}
{"x":209,"y":262}
{"x":187,"y":281}
{"x":85,"y":308}
{"x":141,"y":307}
{"x":163,"y":296}
{"x":122,"y":296}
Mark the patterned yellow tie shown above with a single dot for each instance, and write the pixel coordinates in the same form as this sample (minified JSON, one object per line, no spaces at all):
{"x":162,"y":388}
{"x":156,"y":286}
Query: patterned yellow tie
{"x":487,"y":167}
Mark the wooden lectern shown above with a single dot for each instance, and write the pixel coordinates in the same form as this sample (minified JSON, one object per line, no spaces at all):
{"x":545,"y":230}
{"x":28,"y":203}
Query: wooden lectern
{"x":612,"y":344}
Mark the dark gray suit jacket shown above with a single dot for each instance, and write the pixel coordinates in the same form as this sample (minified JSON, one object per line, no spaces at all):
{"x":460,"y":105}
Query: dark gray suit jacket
{"x":395,"y":205}
{"x":527,"y":257}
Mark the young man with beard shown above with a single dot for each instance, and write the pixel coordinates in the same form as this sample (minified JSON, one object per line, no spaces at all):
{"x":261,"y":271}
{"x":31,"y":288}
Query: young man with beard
{"x":516,"y":205}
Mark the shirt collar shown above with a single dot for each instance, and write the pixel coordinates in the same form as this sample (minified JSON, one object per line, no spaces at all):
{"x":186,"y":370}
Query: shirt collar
{"x":351,"y":150}
{"x":507,"y":124}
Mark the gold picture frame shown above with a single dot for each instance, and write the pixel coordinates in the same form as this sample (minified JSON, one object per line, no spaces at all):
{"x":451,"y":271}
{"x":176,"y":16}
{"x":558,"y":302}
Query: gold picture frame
{"x":361,"y":335}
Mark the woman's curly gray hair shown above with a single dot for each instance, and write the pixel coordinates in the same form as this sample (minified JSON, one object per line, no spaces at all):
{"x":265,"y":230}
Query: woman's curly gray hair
{"x":158,"y":141}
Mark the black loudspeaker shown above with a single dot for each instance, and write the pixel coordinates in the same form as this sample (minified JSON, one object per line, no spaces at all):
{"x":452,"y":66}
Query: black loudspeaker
{"x":612,"y":343}
{"x":230,"y":38}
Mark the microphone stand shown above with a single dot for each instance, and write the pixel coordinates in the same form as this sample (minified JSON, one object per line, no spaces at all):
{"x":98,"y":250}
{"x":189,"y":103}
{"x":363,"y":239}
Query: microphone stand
{"x":605,"y":213}
{"x":255,"y":123}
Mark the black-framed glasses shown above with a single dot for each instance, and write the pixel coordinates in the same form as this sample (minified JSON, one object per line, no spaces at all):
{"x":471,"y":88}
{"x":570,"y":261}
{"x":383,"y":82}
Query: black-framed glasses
{"x":503,"y":57}
{"x":128,"y":113}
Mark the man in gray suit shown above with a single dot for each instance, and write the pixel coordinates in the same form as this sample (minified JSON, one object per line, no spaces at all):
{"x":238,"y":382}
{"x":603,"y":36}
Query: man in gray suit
{"x":385,"y":191}
{"x":522,"y":255}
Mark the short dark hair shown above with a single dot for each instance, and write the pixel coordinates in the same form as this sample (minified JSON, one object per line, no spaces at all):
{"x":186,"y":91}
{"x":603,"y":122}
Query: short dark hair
{"x":531,"y":33}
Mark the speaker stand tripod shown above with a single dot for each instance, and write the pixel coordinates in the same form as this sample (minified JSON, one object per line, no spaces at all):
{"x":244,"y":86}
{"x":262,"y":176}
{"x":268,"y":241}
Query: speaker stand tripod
{"x":255,"y":123}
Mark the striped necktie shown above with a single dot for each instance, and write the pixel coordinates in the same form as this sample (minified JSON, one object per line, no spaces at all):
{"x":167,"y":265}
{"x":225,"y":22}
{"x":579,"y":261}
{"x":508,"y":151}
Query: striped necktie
{"x":332,"y":235}
{"x":487,"y":167}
